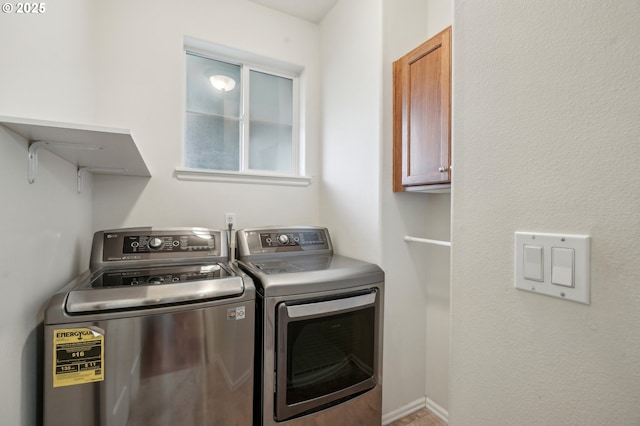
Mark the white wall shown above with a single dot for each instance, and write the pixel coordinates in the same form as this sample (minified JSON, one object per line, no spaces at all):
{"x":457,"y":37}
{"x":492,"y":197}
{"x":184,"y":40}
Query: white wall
{"x":438,"y":274}
{"x":46,"y":67}
{"x":546,"y":137}
{"x":360,"y":39}
{"x":120,"y":64}
{"x":417,"y":298}
{"x":46,"y":226}
{"x":139,"y":84}
{"x":351,"y":110}
{"x":439,"y":15}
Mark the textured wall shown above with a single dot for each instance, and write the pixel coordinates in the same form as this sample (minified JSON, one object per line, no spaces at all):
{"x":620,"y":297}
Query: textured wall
{"x":351,"y":83}
{"x":546,"y":137}
{"x":417,"y":286}
{"x":46,"y":226}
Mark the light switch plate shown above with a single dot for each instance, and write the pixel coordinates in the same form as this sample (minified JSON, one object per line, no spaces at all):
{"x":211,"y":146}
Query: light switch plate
{"x":581,"y":244}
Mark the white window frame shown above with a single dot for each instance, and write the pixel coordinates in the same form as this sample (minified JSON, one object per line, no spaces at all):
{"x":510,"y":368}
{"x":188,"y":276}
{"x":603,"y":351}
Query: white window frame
{"x":249,"y":62}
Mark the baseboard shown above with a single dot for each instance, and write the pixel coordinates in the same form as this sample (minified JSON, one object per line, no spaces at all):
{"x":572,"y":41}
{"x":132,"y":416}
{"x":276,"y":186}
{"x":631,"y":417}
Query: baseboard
{"x":414,"y":406}
{"x":404,"y":411}
{"x":437,"y":410}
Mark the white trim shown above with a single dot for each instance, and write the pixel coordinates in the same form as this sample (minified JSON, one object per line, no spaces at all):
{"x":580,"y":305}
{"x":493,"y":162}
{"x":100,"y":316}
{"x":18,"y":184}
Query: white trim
{"x":238,"y":56}
{"x":295,"y":131}
{"x":244,"y":114}
{"x":236,"y":177}
{"x":414,"y":407}
{"x":404,"y":411}
{"x":437,"y":410}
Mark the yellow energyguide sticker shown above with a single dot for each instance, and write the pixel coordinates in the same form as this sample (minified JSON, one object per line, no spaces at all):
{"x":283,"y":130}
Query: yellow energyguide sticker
{"x":78,"y":356}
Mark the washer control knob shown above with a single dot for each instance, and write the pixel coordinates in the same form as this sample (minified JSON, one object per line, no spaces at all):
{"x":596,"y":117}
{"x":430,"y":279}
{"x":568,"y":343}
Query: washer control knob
{"x":283,"y":239}
{"x":155,"y":243}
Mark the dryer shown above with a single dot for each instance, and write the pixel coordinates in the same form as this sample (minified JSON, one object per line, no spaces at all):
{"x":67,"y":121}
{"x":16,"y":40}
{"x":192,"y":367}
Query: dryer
{"x":319,"y":329}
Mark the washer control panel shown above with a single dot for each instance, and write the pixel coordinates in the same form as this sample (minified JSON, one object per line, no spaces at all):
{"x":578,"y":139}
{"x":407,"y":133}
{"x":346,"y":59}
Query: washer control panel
{"x":166,"y":243}
{"x":149,"y":245}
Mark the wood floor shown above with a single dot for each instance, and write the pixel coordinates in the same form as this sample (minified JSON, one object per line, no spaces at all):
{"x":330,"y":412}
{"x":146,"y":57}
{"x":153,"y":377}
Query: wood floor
{"x":423,"y":417}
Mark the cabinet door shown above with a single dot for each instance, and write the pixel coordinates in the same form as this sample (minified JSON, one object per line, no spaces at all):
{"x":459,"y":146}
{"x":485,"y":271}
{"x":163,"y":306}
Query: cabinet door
{"x":422,"y":115}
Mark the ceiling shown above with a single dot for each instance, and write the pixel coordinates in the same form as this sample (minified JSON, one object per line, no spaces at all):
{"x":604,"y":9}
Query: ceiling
{"x":309,"y":10}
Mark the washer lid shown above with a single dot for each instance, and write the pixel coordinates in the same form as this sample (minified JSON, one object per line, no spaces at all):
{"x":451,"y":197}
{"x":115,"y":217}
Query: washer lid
{"x":146,"y":287}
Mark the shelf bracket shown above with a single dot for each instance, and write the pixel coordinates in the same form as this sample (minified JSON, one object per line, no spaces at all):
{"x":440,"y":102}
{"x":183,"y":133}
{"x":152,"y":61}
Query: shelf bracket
{"x":33,"y":159}
{"x":103,"y":170}
{"x":36,"y":145}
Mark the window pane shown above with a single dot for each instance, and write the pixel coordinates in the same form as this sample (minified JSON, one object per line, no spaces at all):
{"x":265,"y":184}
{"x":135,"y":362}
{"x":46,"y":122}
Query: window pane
{"x":271,"y":118}
{"x":271,"y":98}
{"x":212,"y":137}
{"x":212,"y":142}
{"x":202,"y":96}
{"x":270,"y":147}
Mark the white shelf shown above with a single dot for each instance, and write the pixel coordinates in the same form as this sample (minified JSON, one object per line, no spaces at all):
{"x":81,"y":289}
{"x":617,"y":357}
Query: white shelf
{"x":99,"y":150}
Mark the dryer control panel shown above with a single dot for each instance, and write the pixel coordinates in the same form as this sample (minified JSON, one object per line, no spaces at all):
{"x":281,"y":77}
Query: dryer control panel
{"x":292,"y":239}
{"x":296,"y":240}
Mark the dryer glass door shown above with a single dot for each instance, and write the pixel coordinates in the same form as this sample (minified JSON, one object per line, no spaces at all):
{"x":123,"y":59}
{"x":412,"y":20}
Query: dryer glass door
{"x":326,"y":352}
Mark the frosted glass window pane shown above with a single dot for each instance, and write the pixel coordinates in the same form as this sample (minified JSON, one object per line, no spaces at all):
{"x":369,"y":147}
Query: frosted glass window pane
{"x":270,"y":147}
{"x":212,"y":138}
{"x":202,"y":96}
{"x":271,"y":118}
{"x":271,"y":98}
{"x":212,"y":142}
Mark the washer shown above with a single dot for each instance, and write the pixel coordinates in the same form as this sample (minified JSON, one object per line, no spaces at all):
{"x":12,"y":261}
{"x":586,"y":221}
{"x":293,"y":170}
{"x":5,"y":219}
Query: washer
{"x":159,"y":331}
{"x":319,"y":329}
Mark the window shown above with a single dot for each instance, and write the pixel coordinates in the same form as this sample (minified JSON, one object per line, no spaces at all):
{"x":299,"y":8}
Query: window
{"x":240,"y":118}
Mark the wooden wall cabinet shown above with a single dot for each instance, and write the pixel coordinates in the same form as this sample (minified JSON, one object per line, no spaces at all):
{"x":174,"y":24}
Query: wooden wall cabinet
{"x":422,"y":117}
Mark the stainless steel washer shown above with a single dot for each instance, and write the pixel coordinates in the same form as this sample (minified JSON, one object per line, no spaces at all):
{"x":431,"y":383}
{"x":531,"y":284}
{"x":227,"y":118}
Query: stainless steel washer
{"x":159,"y":331}
{"x":319,"y":333}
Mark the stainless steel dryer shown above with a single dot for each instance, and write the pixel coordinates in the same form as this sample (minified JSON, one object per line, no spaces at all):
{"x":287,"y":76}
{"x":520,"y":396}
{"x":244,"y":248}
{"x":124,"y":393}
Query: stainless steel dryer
{"x":319,"y":333}
{"x":159,"y":331}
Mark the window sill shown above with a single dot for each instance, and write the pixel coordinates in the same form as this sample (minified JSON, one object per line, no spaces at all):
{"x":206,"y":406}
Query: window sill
{"x":203,"y":175}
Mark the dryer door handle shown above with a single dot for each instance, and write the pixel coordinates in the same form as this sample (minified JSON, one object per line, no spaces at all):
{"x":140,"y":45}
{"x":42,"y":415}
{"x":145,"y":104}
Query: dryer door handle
{"x":331,"y":306}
